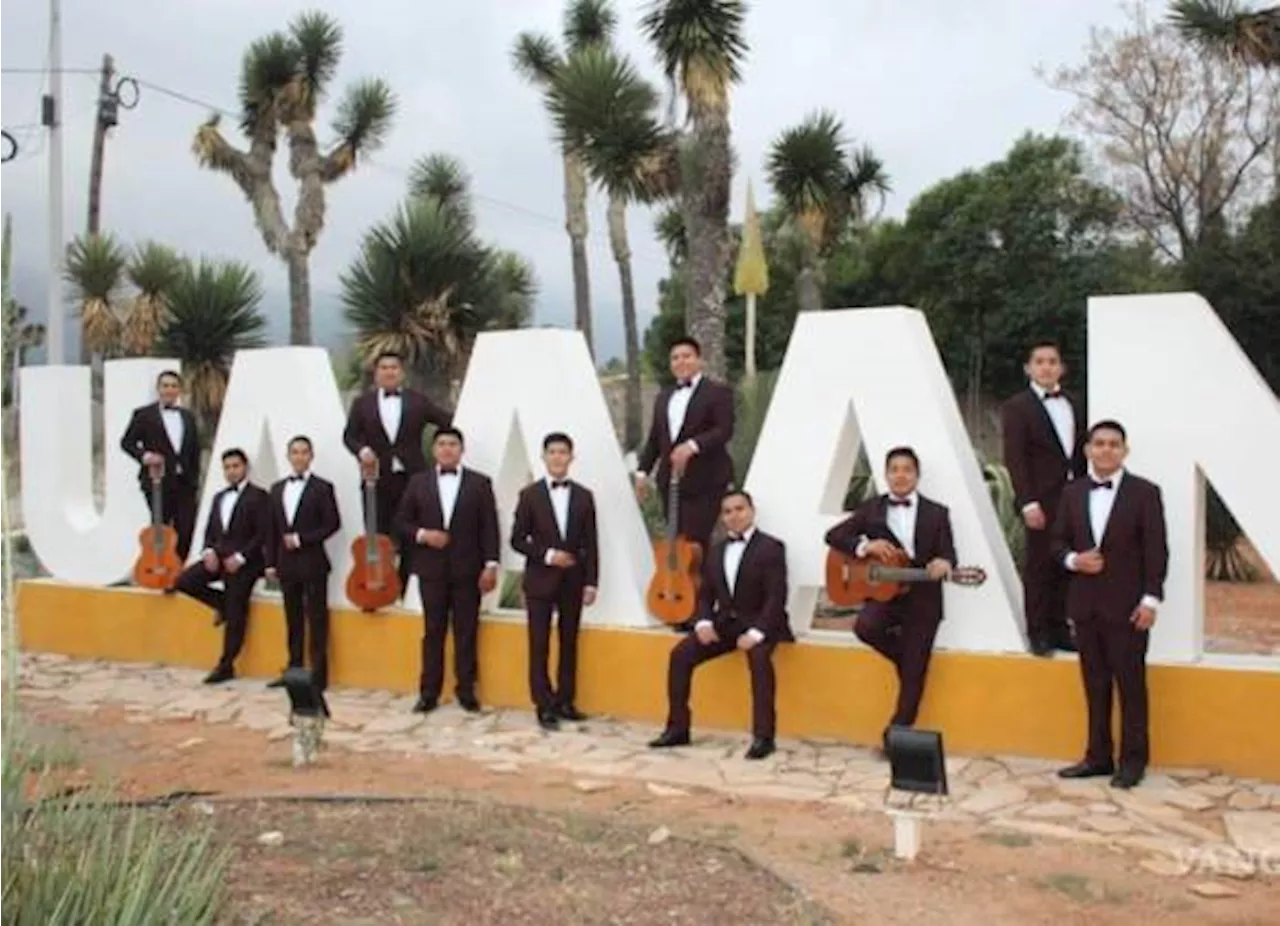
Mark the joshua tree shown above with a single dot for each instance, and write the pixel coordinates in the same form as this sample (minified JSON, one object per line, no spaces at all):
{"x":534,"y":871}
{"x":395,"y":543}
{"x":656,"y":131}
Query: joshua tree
{"x":283,"y":78}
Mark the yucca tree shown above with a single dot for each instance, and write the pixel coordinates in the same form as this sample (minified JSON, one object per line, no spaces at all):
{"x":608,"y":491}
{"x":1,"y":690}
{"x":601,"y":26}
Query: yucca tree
{"x":822,"y":188}
{"x":538,"y":59}
{"x":1228,"y":27}
{"x":95,"y":268}
{"x":514,"y":287}
{"x":152,"y":270}
{"x":668,"y":226}
{"x":443,"y":177}
{"x":211,"y":310}
{"x":701,"y":46}
{"x":604,"y":110}
{"x":284,"y":77}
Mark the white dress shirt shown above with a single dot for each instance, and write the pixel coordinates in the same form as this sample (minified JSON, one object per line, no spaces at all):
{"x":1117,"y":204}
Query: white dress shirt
{"x":678,"y":407}
{"x":734,"y":550}
{"x":1063,"y":418}
{"x":1101,"y":502}
{"x":901,"y":520}
{"x":174,"y":426}
{"x":560,"y":507}
{"x":448,"y":484}
{"x":390,"y":410}
{"x":293,"y":495}
{"x":227,"y":510}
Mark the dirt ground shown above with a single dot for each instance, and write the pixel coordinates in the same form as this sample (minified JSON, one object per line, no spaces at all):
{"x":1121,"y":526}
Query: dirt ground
{"x":534,"y":847}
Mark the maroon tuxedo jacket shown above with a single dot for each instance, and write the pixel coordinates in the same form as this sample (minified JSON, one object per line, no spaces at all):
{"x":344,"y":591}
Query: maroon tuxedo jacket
{"x":1032,"y":452}
{"x":364,"y":429}
{"x":759,"y":597}
{"x":708,"y":421}
{"x":473,"y":529}
{"x":933,"y":540}
{"x":249,"y":528}
{"x":317,"y":520}
{"x":535,"y":531}
{"x":1134,"y":549}
{"x":146,"y":433}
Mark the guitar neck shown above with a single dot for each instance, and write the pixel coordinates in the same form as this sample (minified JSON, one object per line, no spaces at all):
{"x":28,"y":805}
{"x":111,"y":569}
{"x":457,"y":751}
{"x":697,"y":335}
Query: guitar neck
{"x":899,"y":574}
{"x":370,"y":507}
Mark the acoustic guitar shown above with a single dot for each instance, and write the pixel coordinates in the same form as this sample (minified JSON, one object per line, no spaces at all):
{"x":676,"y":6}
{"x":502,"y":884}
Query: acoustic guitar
{"x":158,"y":565}
{"x":373,"y":583}
{"x":673,"y":592}
{"x":853,"y":580}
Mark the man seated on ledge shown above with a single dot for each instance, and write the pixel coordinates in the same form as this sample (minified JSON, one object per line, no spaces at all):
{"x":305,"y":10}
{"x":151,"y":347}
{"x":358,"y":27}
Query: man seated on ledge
{"x":742,"y":605}
{"x":902,"y":630}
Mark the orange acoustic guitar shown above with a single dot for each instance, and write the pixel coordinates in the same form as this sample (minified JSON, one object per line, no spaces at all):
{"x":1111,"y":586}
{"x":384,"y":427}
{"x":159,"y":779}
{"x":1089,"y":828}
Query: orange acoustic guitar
{"x":853,"y":580}
{"x":158,"y":564}
{"x":373,"y":582}
{"x":673,"y":591}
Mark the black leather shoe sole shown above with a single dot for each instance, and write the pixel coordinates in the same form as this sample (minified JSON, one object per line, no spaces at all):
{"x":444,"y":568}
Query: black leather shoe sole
{"x":669,"y":740}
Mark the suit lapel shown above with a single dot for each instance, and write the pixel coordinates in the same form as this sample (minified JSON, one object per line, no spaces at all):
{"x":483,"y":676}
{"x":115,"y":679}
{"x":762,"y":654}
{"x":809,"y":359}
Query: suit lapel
{"x":406,"y":406}
{"x":549,"y":508}
{"x":1119,"y":507}
{"x":742,"y":568}
{"x":1043,"y":413}
{"x":923,"y":513}
{"x":1086,"y":512}
{"x":694,"y":403}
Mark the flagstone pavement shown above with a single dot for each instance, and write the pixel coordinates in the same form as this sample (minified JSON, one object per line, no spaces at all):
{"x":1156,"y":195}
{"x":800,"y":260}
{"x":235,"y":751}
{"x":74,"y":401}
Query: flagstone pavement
{"x":1178,"y":820}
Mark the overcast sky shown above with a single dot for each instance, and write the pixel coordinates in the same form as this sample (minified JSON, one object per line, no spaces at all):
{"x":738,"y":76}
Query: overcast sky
{"x":933,"y":86}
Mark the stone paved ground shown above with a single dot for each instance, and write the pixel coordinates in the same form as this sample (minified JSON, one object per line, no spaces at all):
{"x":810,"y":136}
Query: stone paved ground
{"x":1180,"y":821}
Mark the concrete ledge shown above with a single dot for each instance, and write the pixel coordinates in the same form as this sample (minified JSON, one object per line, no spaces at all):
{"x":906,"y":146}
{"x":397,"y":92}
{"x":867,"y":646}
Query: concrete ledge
{"x":1201,"y":716}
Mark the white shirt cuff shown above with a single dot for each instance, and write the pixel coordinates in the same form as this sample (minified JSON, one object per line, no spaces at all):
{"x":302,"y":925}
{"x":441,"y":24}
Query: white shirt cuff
{"x":1069,"y":562}
{"x":702,"y":623}
{"x":755,"y":634}
{"x":1030,"y":506}
{"x":861,"y":549}
{"x":1150,"y":601}
{"x":206,"y":551}
{"x":239,"y":558}
{"x":546,"y":557}
{"x":693,"y":445}
{"x":492,"y":564}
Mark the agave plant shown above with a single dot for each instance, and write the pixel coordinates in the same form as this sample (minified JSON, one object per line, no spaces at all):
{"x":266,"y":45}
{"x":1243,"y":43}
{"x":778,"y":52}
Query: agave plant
{"x":95,"y":267}
{"x":1003,"y":497}
{"x":153,"y":269}
{"x":211,"y":310}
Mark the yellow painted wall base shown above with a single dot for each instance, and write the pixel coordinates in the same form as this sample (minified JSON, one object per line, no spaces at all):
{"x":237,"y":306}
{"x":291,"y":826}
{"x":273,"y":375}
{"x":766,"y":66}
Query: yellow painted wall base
{"x":1201,"y":716}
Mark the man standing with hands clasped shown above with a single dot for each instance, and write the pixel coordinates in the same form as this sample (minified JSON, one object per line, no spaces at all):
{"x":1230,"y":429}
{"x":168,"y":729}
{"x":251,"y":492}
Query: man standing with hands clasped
{"x":1110,"y":535}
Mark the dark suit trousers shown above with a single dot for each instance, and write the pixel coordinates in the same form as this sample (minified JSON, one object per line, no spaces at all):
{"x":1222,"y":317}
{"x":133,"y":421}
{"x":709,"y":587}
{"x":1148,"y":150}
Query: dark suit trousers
{"x":689,"y":653}
{"x":232,"y":605}
{"x":456,"y":600}
{"x":568,"y":606}
{"x":178,"y":506}
{"x":306,"y":615}
{"x":1044,"y":585}
{"x":1112,"y":652}
{"x":906,"y":640}
{"x":389,"y":492}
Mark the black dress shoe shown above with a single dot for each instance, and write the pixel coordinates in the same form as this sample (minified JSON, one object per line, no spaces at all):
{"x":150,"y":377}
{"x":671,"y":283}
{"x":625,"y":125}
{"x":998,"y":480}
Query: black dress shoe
{"x":1042,"y":648}
{"x":761,"y":747}
{"x":219,"y":675}
{"x":670,"y":738}
{"x":1127,"y":778}
{"x":469,"y":704}
{"x":425,"y":705}
{"x":278,"y":683}
{"x":548,"y":720}
{"x":571,"y":713}
{"x":1086,"y":770}
{"x":1066,"y":644}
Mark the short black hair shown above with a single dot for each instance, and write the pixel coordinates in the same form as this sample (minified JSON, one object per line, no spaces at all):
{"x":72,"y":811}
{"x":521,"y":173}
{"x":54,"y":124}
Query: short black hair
{"x":903,"y":451}
{"x":449,"y":431}
{"x":299,"y":439}
{"x":737,"y":493}
{"x":1043,"y":344}
{"x":388,"y":355}
{"x":174,"y":373}
{"x":236,"y":453}
{"x":685,"y":341}
{"x":1109,"y":424}
{"x":557,"y":437}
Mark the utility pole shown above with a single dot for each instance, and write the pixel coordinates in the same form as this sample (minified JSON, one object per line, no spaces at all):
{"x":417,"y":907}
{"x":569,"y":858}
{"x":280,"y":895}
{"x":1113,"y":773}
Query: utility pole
{"x":52,"y":119}
{"x":105,"y":119}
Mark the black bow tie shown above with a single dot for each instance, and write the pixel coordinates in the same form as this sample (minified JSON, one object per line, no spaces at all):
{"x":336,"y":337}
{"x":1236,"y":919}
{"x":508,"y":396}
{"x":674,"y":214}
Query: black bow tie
{"x":560,"y":483}
{"x":1054,"y":395}
{"x":233,"y":488}
{"x":169,"y":408}
{"x":1094,"y":484}
{"x":737,"y":538}
{"x":297,"y":478}
{"x":391,"y":393}
{"x":448,"y":471}
{"x":899,"y":502}
{"x":684,"y":384}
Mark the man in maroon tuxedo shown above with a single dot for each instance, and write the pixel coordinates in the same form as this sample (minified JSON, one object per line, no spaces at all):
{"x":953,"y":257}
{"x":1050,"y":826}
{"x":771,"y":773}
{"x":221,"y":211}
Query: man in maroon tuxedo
{"x":304,"y":514}
{"x":163,"y":437}
{"x":555,"y":529}
{"x":1110,"y":535}
{"x":1043,"y":430}
{"x":450,"y":514}
{"x":902,"y":630}
{"x":234,"y":542}
{"x":689,"y":438}
{"x":385,"y":427}
{"x":742,"y":606}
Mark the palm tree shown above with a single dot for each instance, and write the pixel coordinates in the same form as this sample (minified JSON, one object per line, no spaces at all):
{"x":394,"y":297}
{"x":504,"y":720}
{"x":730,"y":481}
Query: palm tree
{"x":1225,"y":26}
{"x":95,"y":268}
{"x":700,"y":45}
{"x":283,"y":78}
{"x":607,"y":113}
{"x":211,"y":310}
{"x":152,"y":270}
{"x":537,"y":59}
{"x":670,"y":231}
{"x":821,"y":188}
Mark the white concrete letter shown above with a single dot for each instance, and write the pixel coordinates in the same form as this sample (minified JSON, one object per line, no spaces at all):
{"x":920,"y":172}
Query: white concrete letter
{"x":520,"y":386}
{"x":880,"y":364}
{"x":1167,"y":369}
{"x":73,"y":539}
